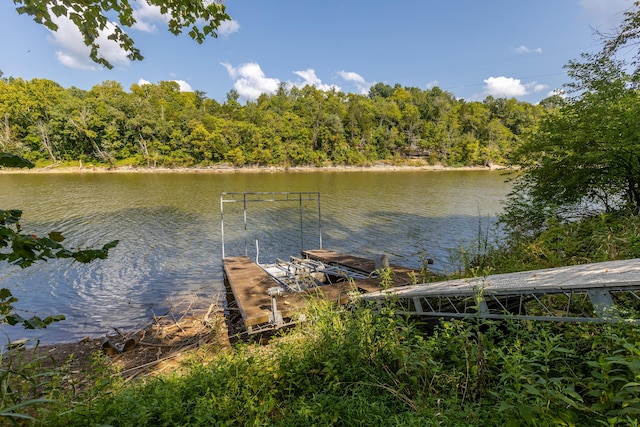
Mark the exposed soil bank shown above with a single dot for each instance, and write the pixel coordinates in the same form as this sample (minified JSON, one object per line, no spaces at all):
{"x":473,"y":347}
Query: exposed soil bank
{"x":225,"y":168}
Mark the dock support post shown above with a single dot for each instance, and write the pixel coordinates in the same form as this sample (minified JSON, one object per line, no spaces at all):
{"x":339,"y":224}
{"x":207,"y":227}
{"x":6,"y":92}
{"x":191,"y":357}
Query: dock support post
{"x":602,"y":303}
{"x":276,"y":317}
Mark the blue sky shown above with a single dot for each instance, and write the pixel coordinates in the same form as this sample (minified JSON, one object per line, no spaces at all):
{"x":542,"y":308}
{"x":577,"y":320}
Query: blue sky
{"x":471,"y":48}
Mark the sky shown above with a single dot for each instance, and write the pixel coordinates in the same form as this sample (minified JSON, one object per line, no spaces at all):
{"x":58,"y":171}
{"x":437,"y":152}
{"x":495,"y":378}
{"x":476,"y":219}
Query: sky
{"x":470,"y":48}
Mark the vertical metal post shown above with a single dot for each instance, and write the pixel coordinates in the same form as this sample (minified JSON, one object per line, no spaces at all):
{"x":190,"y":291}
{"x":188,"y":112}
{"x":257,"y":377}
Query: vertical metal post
{"x":222,"y":222}
{"x":301,"y":229}
{"x":319,"y":220}
{"x":244,"y":215}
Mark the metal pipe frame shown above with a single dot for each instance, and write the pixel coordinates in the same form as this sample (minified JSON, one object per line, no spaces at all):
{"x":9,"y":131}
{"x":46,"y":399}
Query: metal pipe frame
{"x":269,"y":197}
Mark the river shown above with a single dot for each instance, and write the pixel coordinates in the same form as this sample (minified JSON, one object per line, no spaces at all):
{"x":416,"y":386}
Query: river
{"x":169,"y":230}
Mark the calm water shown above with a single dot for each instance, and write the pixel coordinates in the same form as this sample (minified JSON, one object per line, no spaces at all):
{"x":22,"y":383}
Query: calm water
{"x":170,"y":238}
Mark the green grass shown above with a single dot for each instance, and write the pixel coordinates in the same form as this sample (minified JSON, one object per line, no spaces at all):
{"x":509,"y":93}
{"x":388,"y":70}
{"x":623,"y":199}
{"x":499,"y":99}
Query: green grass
{"x":366,"y":367}
{"x":599,"y":238}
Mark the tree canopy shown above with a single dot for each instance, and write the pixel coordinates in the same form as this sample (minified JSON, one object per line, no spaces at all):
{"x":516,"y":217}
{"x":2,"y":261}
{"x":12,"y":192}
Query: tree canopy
{"x":626,"y":38}
{"x":158,"y":125}
{"x":584,"y":155}
{"x":200,"y":18}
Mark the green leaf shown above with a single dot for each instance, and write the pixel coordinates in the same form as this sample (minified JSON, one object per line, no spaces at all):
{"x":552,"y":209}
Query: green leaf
{"x":56,"y":236}
{"x":10,"y":217}
{"x":5,"y":294}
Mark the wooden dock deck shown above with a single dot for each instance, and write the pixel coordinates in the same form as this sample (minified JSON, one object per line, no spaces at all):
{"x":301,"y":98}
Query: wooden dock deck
{"x":402,"y":276}
{"x":364,"y":265}
{"x":249,"y":284}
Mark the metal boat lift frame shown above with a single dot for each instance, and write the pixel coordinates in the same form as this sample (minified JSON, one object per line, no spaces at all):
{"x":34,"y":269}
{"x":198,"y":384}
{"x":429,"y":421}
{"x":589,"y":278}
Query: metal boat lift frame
{"x":249,"y":198}
{"x":297,"y":275}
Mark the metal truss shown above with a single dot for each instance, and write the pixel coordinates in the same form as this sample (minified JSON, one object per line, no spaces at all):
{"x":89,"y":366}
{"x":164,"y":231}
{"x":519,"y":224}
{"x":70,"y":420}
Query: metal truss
{"x":593,"y":305}
{"x":601,"y":292}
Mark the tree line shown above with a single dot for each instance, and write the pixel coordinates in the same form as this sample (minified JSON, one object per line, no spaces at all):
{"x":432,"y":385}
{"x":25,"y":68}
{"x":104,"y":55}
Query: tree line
{"x":157,"y":125}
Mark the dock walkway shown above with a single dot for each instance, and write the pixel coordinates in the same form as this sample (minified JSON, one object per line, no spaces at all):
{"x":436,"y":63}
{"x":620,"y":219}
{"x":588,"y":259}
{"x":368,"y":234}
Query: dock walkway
{"x":603,"y":291}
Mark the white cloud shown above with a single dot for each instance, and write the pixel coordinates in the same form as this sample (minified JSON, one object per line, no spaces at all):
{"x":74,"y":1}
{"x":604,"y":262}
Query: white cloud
{"x":431,"y":84}
{"x":230,"y":70}
{"x":362,"y":85}
{"x":250,"y":81}
{"x":350,"y":76}
{"x":309,"y":78}
{"x":184,"y":86}
{"x":508,"y":87}
{"x":523,"y":49}
{"x":558,"y":92}
{"x":146,"y":16}
{"x":227,"y":28}
{"x":504,"y":87}
{"x":74,"y":53}
{"x":535,"y":87}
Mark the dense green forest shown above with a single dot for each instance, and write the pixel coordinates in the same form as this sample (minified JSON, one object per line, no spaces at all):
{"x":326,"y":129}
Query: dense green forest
{"x":157,"y":125}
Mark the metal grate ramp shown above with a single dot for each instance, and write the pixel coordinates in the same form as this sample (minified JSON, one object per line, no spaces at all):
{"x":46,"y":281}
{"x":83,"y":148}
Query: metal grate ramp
{"x":599,"y":292}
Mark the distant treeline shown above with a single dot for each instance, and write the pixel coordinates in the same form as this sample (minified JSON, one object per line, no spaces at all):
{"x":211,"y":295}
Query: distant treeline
{"x":158,"y":125}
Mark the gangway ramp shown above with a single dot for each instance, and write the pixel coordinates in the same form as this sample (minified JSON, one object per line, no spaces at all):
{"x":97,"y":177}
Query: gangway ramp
{"x":598,"y":292}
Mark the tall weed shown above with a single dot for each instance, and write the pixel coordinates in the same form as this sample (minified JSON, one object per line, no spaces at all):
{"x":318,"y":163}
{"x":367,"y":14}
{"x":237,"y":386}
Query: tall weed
{"x":603,"y":237}
{"x":369,"y":364}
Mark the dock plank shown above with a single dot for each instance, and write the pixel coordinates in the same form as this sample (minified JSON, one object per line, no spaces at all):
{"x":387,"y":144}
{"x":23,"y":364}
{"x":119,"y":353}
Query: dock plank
{"x":402,"y":276}
{"x":365,"y":265}
{"x":249,"y":284}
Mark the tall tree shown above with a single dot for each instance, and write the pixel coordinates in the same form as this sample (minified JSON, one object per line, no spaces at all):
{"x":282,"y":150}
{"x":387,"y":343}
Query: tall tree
{"x":585,"y":155}
{"x":26,"y":107}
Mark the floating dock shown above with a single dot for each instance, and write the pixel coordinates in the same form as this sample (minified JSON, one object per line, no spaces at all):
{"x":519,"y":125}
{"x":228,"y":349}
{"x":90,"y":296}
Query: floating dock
{"x":264,"y":306}
{"x":270,"y":295}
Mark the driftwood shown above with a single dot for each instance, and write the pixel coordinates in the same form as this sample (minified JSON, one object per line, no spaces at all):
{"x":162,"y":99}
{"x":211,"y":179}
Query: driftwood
{"x":166,"y":338}
{"x":154,"y":348}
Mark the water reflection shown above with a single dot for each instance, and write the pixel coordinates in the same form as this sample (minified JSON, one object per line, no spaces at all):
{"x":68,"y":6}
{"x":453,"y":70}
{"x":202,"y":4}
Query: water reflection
{"x":170,"y":240}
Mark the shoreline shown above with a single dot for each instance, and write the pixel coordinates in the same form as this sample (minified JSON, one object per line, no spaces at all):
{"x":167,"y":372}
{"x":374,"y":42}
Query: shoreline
{"x":225,"y":168}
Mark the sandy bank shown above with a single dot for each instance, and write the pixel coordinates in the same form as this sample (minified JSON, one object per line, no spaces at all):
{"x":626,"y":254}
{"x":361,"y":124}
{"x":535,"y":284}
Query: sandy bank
{"x":224,"y":168}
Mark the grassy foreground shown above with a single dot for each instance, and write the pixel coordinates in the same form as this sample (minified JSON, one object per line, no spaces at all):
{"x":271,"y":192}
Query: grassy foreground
{"x":368,"y":366}
{"x":360,"y":367}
